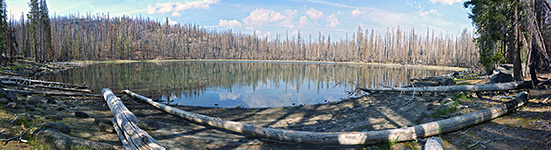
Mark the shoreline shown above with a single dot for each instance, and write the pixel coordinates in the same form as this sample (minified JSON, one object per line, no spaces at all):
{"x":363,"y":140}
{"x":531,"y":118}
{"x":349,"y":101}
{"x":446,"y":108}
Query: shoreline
{"x":434,"y":67}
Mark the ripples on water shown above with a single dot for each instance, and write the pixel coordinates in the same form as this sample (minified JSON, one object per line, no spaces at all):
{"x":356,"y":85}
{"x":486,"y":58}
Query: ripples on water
{"x":245,"y":84}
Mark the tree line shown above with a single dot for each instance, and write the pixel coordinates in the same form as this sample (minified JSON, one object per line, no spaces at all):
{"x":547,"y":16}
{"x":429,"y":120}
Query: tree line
{"x":104,"y":37}
{"x":515,"y":32}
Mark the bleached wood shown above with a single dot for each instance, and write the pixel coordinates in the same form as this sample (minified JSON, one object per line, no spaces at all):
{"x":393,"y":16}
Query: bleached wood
{"x":134,"y":137}
{"x":456,"y":88}
{"x":51,"y":93}
{"x":347,"y":138}
{"x":30,"y":81}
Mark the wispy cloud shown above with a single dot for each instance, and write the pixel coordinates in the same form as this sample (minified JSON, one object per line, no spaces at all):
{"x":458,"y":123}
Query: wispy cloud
{"x":314,"y":14}
{"x":229,"y":23}
{"x":176,"y":8}
{"x":425,"y":13}
{"x":446,"y":2}
{"x":356,"y":12}
{"x":331,"y":3}
{"x":333,"y":21}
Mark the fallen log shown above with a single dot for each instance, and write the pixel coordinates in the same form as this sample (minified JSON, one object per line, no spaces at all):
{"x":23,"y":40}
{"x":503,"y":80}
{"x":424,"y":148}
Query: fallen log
{"x":347,"y":138}
{"x":47,"y":87}
{"x":51,"y":93}
{"x":458,"y":88}
{"x":30,"y":81}
{"x":130,"y":134}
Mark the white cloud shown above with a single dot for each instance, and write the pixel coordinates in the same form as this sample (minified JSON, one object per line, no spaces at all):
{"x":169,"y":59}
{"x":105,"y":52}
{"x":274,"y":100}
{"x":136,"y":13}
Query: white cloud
{"x":303,"y":21}
{"x":333,"y":21}
{"x":446,"y":2}
{"x":228,"y":96}
{"x":175,"y":8}
{"x":261,"y":16}
{"x":425,"y":13}
{"x":229,"y":23}
{"x":172,"y":22}
{"x":356,"y":12}
{"x":314,"y":14}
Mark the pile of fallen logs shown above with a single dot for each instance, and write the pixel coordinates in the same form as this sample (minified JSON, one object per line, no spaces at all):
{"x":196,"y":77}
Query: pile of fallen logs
{"x":68,"y":89}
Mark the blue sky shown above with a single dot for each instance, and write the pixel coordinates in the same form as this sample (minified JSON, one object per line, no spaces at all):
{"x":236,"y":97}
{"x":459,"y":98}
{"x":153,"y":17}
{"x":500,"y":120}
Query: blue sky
{"x":271,"y":17}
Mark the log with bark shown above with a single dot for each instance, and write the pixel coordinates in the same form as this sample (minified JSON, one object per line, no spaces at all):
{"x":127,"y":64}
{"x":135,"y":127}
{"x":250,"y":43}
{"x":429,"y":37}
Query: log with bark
{"x":458,"y":88}
{"x":129,"y":133}
{"x":347,"y":138}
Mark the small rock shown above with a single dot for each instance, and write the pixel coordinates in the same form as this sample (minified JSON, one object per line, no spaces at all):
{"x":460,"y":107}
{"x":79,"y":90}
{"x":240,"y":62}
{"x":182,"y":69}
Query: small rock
{"x":30,"y":107}
{"x":79,"y":114}
{"x":148,"y":124}
{"x":4,"y":100}
{"x":103,"y":124}
{"x":57,"y":126}
{"x":55,"y":118}
{"x":51,"y":101}
{"x":11,"y":105}
{"x":10,"y":96}
{"x":27,"y":117}
{"x":60,"y":109}
{"x":32,"y":100}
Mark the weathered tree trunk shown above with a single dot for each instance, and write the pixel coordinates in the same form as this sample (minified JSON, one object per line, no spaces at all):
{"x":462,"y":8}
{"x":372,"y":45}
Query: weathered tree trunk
{"x":30,"y":81}
{"x":51,"y":93}
{"x":47,"y":87}
{"x":130,"y":134}
{"x":348,"y":138}
{"x":457,"y":88}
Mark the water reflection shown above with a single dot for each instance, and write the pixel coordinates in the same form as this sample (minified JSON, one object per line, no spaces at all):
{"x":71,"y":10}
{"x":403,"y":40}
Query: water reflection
{"x":245,"y":84}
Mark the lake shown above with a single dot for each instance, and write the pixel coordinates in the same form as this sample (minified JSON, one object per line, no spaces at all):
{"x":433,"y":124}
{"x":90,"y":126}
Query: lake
{"x":246,"y":84}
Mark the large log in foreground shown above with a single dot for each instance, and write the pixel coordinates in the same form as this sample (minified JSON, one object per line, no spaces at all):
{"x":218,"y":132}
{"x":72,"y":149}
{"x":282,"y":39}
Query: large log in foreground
{"x":129,"y":133}
{"x":347,"y":138}
{"x":458,"y":88}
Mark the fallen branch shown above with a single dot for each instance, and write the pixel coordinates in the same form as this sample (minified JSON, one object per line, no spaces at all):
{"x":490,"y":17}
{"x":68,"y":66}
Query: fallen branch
{"x":130,"y":134}
{"x":18,"y":137}
{"x":457,"y":88}
{"x":13,"y":121}
{"x":347,"y":138}
{"x":51,"y":93}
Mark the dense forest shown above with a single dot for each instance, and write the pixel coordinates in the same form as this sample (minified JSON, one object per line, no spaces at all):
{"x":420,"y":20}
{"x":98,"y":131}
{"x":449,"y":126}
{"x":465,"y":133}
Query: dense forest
{"x":515,"y":32}
{"x":103,"y":37}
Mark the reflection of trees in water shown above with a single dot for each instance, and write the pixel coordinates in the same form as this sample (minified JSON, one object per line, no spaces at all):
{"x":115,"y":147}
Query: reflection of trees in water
{"x":193,"y":78}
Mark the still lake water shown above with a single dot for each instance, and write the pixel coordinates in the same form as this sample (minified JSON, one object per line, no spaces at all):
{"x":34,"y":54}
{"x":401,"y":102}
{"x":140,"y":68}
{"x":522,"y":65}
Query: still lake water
{"x":245,"y":84}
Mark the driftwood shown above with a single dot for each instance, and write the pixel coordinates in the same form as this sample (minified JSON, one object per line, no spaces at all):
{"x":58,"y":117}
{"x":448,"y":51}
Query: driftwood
{"x":130,"y":134}
{"x":30,"y":81}
{"x":19,"y":137}
{"x":47,"y":87}
{"x":347,"y":138}
{"x":51,"y":93}
{"x":458,"y":88}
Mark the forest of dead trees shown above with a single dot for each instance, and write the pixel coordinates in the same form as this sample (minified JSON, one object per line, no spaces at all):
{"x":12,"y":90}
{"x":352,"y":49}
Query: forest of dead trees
{"x":104,"y":37}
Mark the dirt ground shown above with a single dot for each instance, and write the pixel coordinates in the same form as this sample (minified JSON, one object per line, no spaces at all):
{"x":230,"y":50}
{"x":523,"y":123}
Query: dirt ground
{"x":529,"y":127}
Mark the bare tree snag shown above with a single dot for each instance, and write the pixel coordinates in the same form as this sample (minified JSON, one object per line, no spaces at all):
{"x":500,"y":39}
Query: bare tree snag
{"x":457,"y":88}
{"x":130,"y":134}
{"x":347,"y":138}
